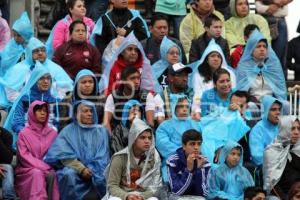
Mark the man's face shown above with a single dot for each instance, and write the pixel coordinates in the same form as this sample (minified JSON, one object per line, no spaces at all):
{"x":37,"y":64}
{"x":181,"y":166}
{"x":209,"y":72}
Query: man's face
{"x":133,"y":81}
{"x":274,"y":113}
{"x":159,"y":29}
{"x":182,"y":109}
{"x":86,"y":85}
{"x":84,"y":115}
{"x":192,"y":147}
{"x":79,"y":33}
{"x":39,"y":54}
{"x":259,"y":196}
{"x":135,"y":112}
{"x":173,"y":55}
{"x":18,"y":38}
{"x":44,"y":83}
{"x":179,"y":80}
{"x":143,"y":142}
{"x":260,"y":51}
{"x":242,"y":8}
{"x":215,"y":29}
{"x":120,"y":3}
{"x":205,"y":5}
{"x":130,"y":54}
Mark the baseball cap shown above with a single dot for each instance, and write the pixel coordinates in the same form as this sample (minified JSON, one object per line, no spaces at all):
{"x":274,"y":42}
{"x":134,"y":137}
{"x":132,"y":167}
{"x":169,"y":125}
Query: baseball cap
{"x":177,"y":68}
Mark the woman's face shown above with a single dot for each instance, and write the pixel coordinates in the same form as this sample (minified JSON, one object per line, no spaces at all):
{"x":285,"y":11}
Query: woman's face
{"x":173,"y":55}
{"x":295,"y":133}
{"x":242,"y":8}
{"x":41,"y":114}
{"x":223,"y":84}
{"x":134,"y":112}
{"x":214,"y":61}
{"x":78,"y":10}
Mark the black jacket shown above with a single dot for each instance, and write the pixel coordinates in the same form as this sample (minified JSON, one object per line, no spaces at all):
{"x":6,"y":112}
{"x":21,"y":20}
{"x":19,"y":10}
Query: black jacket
{"x":293,"y":53}
{"x":152,"y":49}
{"x":6,"y":150}
{"x":199,"y":45}
{"x":119,"y":18}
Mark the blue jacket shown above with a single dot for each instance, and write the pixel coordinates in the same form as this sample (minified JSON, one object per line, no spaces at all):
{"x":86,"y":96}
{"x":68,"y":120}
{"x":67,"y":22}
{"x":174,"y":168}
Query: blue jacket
{"x":184,"y":182}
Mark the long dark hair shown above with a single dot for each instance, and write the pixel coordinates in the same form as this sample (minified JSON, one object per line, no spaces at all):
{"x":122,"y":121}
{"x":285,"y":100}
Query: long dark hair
{"x":204,"y":69}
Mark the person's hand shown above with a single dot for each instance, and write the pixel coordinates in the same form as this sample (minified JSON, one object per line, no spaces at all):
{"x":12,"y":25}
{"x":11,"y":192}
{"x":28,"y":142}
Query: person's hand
{"x":190,"y":161}
{"x":201,"y":160}
{"x":196,"y":116}
{"x":2,"y":172}
{"x":119,"y":40}
{"x":234,"y":106}
{"x":121,"y":31}
{"x":86,"y":174}
{"x":272,"y":9}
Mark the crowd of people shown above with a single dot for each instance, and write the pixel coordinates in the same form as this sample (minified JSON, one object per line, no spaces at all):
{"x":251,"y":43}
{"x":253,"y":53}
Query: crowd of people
{"x":111,"y":106}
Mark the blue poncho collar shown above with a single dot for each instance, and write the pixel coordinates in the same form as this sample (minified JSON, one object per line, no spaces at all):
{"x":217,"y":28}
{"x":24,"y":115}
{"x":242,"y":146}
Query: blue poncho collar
{"x":271,"y":70}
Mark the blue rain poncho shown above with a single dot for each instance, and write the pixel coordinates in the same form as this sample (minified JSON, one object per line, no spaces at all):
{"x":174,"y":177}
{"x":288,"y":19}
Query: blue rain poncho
{"x":271,"y":71}
{"x":17,"y":76}
{"x":126,"y":109}
{"x":219,"y":127}
{"x":89,"y":145}
{"x":146,"y":74}
{"x":13,"y":51}
{"x":169,"y":133}
{"x":263,"y":133}
{"x":17,"y":116}
{"x":278,"y":154}
{"x":159,"y":67}
{"x":196,"y":80}
{"x":226,"y":182}
{"x":211,"y":100}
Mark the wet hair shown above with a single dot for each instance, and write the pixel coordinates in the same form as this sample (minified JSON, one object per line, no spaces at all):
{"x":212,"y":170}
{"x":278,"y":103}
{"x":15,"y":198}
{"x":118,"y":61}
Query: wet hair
{"x":128,"y":71}
{"x":70,"y":5}
{"x":39,"y":107}
{"x":204,"y":68}
{"x":218,"y":73}
{"x":158,"y":17}
{"x":251,"y":192}
{"x":249,"y":28}
{"x":74,"y":23}
{"x":210,"y":19}
{"x":241,"y":94}
{"x":191,"y":135}
{"x":294,"y":190}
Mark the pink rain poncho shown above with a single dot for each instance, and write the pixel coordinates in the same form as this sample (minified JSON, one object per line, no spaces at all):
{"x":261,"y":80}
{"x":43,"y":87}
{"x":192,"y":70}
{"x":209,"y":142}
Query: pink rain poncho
{"x":31,"y":171}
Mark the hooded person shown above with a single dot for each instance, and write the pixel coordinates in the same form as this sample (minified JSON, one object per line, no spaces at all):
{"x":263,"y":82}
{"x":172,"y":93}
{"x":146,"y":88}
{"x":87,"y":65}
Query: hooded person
{"x":203,"y":69}
{"x":281,"y":167}
{"x":265,"y":131}
{"x":219,"y":127}
{"x":123,"y":58}
{"x":35,"y":51}
{"x":85,"y":87}
{"x":119,"y":137}
{"x":81,"y":154}
{"x":33,"y":143}
{"x":5,"y":31}
{"x":234,"y":26}
{"x":135,"y":170}
{"x":39,"y":87}
{"x":170,"y":53}
{"x":260,"y":77}
{"x":230,"y":179}
{"x":15,"y":49}
{"x":169,"y":133}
